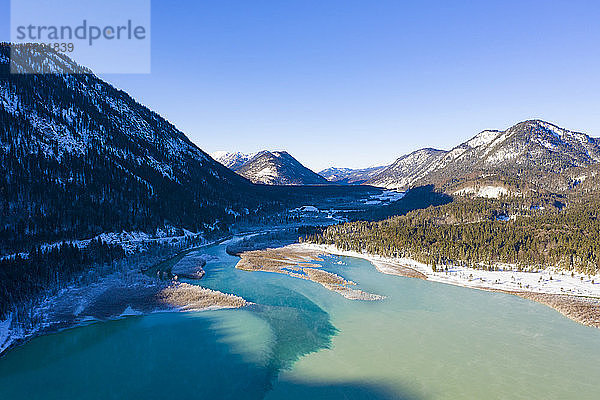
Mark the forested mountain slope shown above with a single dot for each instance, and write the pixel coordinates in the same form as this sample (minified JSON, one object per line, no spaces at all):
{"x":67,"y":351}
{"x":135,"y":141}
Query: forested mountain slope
{"x":79,"y":157}
{"x":532,"y":151}
{"x":481,"y":233}
{"x":407,"y":169}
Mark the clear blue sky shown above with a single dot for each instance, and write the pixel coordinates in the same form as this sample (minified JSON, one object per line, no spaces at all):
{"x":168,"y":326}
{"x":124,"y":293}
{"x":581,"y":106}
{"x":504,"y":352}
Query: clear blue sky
{"x":358,"y":83}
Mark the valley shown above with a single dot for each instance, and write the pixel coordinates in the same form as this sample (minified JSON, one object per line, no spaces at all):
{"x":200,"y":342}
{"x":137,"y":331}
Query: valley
{"x":250,"y":275}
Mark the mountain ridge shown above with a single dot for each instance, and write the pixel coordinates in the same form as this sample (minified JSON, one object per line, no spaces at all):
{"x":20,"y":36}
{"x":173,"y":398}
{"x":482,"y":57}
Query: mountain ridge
{"x":531,"y":150}
{"x":350,"y":176}
{"x":270,"y":168}
{"x":80,"y":157}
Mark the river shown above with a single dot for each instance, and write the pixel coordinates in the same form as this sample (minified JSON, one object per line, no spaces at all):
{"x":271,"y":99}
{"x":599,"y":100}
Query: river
{"x":425,"y":340}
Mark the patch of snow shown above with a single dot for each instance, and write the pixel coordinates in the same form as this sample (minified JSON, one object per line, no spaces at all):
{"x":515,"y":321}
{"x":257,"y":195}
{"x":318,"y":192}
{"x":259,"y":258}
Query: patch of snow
{"x":218,"y":154}
{"x":490,"y":192}
{"x":504,"y":154}
{"x":305,"y":209}
{"x":483,"y":138}
{"x":387,"y":196}
{"x":129,"y":241}
{"x":267,"y":172}
{"x":548,"y":145}
{"x":465,"y":191}
{"x":130,"y":312}
{"x":232,"y":160}
{"x":495,"y":142}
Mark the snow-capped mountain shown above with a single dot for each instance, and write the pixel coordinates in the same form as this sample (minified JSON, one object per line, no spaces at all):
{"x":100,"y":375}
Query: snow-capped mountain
{"x":407,"y":169}
{"x":350,"y":176}
{"x":278,"y":168}
{"x":234,"y":160}
{"x":79,"y":157}
{"x":530,"y":150}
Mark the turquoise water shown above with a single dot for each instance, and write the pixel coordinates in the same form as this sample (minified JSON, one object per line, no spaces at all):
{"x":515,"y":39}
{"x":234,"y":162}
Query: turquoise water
{"x":424,"y":341}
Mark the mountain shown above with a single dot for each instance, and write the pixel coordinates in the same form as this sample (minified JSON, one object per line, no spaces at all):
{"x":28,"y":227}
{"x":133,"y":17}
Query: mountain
{"x":79,"y":157}
{"x":531,"y":151}
{"x":350,"y":176}
{"x":278,"y":168}
{"x":407,"y":169}
{"x":233,"y":161}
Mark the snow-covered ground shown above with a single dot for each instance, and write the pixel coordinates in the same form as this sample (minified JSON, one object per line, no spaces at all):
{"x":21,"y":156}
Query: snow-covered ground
{"x":490,"y":192}
{"x":69,"y":306}
{"x":387,"y":196}
{"x":305,"y":209}
{"x":551,"y":281}
{"x":130,"y":241}
{"x":314,"y":212}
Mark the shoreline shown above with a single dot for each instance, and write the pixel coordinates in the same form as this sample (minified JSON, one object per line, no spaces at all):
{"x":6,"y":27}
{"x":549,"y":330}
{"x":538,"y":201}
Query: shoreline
{"x":132,"y":281}
{"x":113,"y":300}
{"x":177,"y":297}
{"x":569,"y":295}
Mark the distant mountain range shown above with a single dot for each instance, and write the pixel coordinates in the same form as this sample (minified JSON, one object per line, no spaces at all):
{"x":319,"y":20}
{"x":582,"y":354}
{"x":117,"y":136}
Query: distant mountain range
{"x":79,"y":157}
{"x":534,"y":152}
{"x":270,"y":168}
{"x":349,"y":176}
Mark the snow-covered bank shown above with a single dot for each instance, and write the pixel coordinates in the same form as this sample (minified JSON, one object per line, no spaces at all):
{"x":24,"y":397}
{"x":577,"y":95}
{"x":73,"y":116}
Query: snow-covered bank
{"x":116,"y":296}
{"x":126,"y":292}
{"x":549,"y":281}
{"x":576,"y":296}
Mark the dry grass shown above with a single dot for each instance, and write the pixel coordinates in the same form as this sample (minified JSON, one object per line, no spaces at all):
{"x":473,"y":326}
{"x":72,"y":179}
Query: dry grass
{"x":192,"y":298}
{"x":320,"y":276}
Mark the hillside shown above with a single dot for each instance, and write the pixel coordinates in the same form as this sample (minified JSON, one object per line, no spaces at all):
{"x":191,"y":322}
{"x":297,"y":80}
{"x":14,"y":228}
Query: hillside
{"x":532,"y":151}
{"x":407,"y":169}
{"x":79,"y":157}
{"x":349,"y":176}
{"x":278,"y":168}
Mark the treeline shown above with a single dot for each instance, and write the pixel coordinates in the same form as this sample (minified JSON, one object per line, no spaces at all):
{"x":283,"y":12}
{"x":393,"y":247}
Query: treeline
{"x":24,"y":277}
{"x":469,"y":233}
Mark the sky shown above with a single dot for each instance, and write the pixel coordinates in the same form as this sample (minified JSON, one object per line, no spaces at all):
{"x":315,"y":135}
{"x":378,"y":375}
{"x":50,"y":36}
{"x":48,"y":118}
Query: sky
{"x":359,"y":83}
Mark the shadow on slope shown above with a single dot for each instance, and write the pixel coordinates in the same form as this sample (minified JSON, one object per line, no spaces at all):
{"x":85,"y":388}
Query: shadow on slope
{"x":416,"y":198}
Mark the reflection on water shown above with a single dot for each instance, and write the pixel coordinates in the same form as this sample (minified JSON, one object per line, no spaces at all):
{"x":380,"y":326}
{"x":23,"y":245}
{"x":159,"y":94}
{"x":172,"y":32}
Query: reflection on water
{"x":299,"y":340}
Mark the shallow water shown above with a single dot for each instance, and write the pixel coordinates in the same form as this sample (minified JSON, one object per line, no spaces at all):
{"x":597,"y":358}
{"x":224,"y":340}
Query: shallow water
{"x":424,"y":341}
